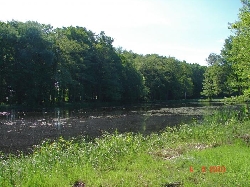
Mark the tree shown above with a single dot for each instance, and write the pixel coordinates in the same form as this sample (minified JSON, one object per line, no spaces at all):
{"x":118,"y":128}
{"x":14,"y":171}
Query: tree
{"x":232,"y":83}
{"x":40,"y":65}
{"x":30,"y":63}
{"x":108,"y":70}
{"x":211,"y":82}
{"x":239,"y":53}
{"x":197,"y":76}
{"x":8,"y":38}
{"x":132,"y":82}
{"x":185,"y":79}
{"x":73,"y":47}
{"x":165,"y":77}
{"x":214,"y":77}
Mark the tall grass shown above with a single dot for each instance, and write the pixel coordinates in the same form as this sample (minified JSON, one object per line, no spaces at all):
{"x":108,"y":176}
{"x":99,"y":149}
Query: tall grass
{"x":136,"y":160}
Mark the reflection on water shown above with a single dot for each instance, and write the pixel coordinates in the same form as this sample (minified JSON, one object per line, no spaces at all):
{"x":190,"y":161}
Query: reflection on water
{"x":22,"y":129}
{"x":57,"y":119}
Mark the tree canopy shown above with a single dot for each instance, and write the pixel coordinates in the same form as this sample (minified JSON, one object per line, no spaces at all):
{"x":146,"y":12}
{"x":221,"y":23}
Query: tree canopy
{"x":41,"y":65}
{"x":229,"y":73}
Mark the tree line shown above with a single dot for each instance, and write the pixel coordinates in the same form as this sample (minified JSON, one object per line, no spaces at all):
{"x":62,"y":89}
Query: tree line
{"x":40,"y":65}
{"x":228,"y":73}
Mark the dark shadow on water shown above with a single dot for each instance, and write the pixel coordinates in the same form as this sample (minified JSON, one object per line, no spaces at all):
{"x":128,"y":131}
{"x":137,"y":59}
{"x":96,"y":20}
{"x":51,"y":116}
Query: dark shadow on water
{"x":20,"y":130}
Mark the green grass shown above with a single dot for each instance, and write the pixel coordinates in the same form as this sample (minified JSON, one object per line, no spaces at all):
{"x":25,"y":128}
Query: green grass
{"x":235,"y":158}
{"x":221,"y":139}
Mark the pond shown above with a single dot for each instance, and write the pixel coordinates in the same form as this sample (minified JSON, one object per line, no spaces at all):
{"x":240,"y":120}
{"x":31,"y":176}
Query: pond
{"x":20,"y":129}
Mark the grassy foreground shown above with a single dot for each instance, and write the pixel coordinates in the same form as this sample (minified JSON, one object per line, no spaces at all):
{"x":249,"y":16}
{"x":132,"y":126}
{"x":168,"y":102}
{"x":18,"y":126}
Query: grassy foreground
{"x":214,"y":152}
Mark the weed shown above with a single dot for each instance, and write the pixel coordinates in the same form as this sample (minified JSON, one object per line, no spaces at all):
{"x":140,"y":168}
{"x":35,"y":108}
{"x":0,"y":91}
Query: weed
{"x":180,"y":156}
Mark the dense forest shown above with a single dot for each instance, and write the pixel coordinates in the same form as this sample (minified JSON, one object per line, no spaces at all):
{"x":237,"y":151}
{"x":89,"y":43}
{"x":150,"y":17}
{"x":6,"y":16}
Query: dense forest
{"x":40,"y":65}
{"x":228,"y":73}
{"x":44,"y":66}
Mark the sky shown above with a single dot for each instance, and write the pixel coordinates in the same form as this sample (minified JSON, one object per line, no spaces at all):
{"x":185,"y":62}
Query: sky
{"x":185,"y":29}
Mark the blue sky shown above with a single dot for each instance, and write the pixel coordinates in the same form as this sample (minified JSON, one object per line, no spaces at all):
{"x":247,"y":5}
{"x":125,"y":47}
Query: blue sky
{"x":186,"y":29}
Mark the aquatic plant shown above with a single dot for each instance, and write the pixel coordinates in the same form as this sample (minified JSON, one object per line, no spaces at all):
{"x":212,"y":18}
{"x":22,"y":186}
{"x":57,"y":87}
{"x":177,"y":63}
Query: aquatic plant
{"x":184,"y":155}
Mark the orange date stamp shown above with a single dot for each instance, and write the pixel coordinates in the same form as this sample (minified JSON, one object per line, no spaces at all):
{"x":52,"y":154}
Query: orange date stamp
{"x":211,"y":169}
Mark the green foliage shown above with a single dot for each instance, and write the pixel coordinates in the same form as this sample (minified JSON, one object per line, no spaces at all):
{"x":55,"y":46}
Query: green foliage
{"x":136,"y":160}
{"x":133,"y":84}
{"x":45,"y":66}
{"x":236,"y":50}
{"x":240,"y":49}
{"x":215,"y":77}
{"x":211,"y":84}
{"x":229,"y":73}
{"x":168,"y":78}
{"x":26,"y":62}
{"x":197,"y":79}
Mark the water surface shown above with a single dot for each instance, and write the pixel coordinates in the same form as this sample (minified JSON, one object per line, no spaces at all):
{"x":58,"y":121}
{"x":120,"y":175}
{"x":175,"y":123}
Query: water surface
{"x":20,"y":129}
